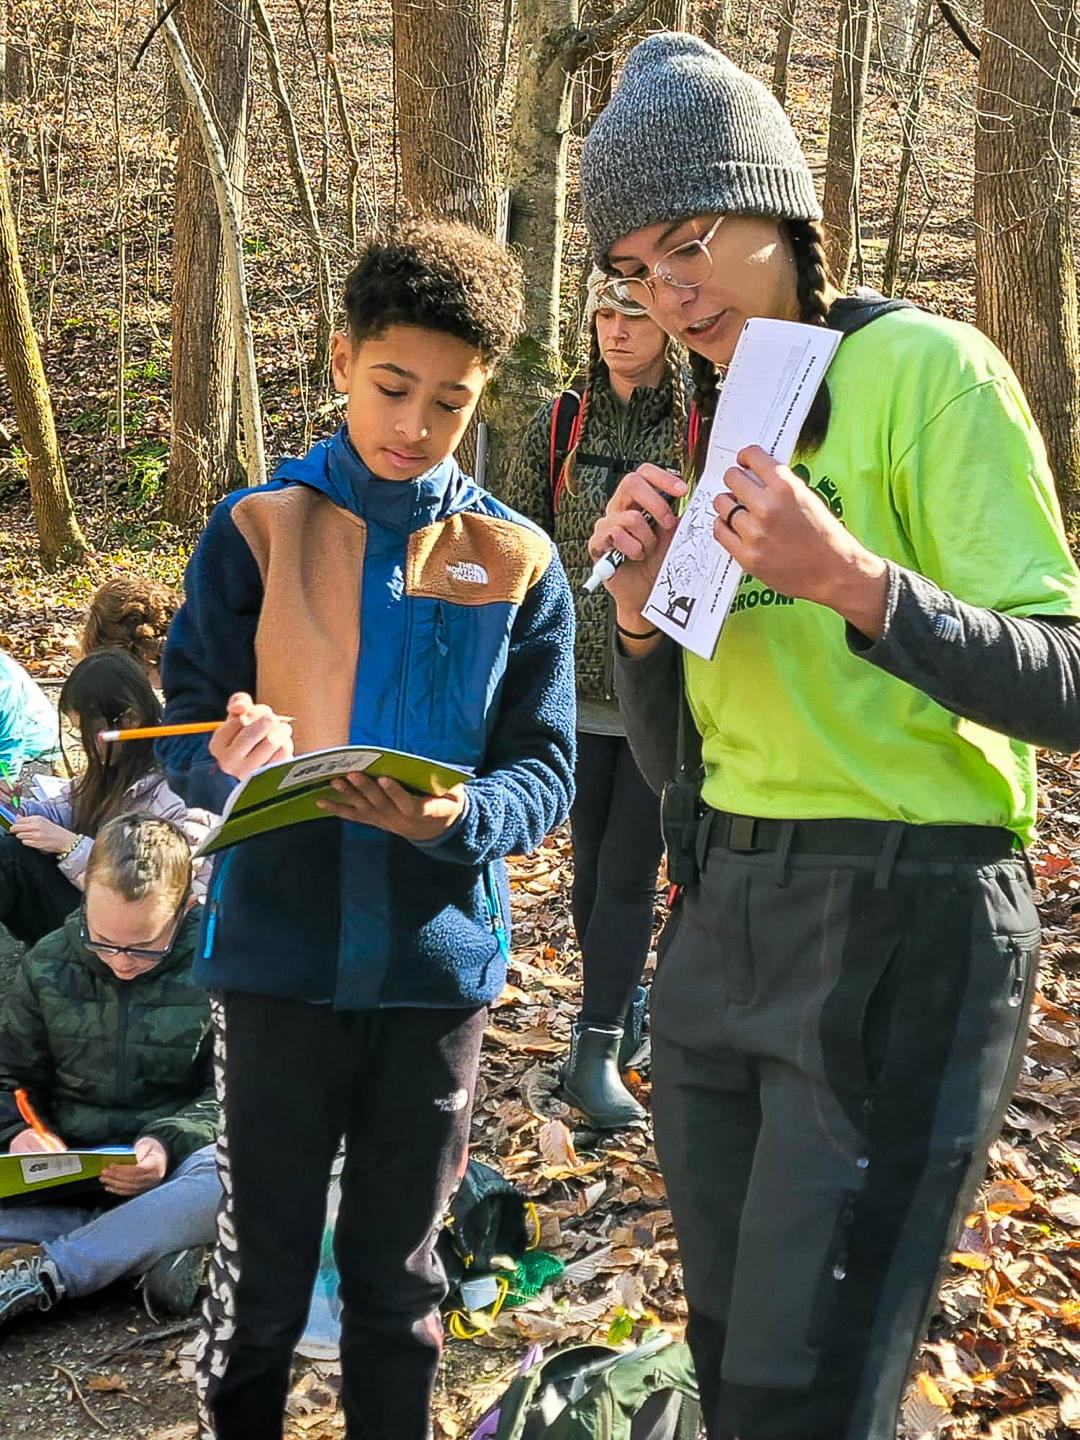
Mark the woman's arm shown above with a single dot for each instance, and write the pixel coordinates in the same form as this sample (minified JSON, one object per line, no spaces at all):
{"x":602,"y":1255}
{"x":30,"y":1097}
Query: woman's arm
{"x":1014,"y":674}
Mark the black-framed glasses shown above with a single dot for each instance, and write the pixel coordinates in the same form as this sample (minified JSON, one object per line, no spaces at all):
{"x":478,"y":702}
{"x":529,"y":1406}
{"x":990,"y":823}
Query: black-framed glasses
{"x":133,"y":952}
{"x":683,"y":268}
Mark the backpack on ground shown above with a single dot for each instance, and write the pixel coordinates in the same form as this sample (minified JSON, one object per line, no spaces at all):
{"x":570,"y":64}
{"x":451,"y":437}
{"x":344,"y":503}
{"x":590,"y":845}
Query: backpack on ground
{"x":594,"y":1392}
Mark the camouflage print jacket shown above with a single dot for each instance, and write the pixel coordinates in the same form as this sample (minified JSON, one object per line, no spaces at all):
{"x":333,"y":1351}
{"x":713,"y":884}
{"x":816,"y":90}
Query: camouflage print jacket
{"x":628,"y":434}
{"x":106,"y":1061}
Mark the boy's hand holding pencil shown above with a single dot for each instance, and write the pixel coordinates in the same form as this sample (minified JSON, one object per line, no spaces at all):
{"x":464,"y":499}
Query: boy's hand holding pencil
{"x":251,"y":736}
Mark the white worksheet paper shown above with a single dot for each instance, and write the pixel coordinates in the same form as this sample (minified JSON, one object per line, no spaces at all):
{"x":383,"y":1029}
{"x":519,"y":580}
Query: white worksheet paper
{"x":770,"y":385}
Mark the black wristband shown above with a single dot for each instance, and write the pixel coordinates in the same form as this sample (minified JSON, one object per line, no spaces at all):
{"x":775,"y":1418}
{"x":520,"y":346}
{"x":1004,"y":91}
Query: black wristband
{"x":637,"y":634}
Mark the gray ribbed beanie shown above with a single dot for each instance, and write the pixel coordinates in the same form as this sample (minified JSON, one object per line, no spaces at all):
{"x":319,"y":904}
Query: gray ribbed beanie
{"x":687,"y":132}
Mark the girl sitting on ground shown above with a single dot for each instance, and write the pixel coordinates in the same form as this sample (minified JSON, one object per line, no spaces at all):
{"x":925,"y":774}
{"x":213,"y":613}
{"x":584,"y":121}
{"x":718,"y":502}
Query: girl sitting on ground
{"x":43,"y":858}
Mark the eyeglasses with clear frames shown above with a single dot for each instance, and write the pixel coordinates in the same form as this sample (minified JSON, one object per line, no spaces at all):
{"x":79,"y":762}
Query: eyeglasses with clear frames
{"x":683,"y":268}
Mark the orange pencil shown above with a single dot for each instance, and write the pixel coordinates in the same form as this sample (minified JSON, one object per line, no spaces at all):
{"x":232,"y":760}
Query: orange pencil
{"x":26,"y":1110}
{"x":160,"y":732}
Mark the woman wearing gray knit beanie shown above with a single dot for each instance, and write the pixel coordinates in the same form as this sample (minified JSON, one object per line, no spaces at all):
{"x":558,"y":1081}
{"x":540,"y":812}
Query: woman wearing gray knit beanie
{"x":840,"y":1008}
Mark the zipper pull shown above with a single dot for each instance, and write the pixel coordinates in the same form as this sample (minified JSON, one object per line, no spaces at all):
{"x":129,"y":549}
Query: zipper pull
{"x":1016,"y":991}
{"x":495,"y":918}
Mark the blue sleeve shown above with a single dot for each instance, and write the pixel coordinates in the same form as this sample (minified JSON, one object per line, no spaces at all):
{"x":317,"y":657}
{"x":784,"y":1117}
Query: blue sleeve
{"x":209,"y":655}
{"x":526,"y":783}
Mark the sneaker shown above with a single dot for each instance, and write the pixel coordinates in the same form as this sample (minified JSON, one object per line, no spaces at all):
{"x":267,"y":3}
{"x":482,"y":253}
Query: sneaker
{"x":172,"y":1282}
{"x":28,"y":1281}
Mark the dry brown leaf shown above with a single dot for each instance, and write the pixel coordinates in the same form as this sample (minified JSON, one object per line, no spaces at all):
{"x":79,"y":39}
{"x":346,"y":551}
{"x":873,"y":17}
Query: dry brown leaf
{"x":557,"y":1145}
{"x":1065,"y":1208}
{"x":106,"y":1384}
{"x":1002,"y":1197}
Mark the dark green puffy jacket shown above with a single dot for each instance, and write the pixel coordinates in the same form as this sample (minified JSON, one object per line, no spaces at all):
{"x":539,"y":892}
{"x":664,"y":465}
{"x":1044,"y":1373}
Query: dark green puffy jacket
{"x":106,"y":1061}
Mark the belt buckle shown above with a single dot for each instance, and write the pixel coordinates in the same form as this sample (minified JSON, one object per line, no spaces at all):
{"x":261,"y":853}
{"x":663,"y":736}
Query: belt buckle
{"x":740,"y":835}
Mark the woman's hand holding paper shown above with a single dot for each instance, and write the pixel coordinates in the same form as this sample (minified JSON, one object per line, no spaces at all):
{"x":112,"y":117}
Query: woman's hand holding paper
{"x":784,"y":535}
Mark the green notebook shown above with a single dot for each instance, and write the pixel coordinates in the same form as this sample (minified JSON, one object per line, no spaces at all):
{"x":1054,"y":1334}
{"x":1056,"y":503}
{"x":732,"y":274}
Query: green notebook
{"x":43,"y":1169}
{"x":285,"y":793}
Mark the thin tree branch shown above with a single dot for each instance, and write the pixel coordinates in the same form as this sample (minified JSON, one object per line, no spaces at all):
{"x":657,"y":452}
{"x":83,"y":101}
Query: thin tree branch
{"x":574,"y":46}
{"x":153,"y":31}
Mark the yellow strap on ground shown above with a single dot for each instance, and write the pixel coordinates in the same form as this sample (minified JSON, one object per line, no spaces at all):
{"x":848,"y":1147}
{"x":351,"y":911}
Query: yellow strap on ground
{"x":533,"y":1219}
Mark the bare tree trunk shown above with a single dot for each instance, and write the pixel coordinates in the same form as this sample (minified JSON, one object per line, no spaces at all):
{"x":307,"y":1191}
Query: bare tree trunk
{"x":506,"y":36}
{"x":896,"y":31}
{"x":348,"y":135}
{"x":551,"y":49}
{"x":1025,"y":275}
{"x":841,"y":200}
{"x":785,"y":32}
{"x":714,"y":20}
{"x":324,"y":319}
{"x":59,"y":538}
{"x":670,"y":15}
{"x":909,"y":124}
{"x":205,"y":460}
{"x":445,"y":109}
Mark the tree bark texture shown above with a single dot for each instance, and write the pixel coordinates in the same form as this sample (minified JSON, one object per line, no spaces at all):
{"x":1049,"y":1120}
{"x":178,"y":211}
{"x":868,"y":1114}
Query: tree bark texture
{"x":841,"y":199}
{"x":785,"y":32}
{"x":320,"y":261}
{"x":204,"y":458}
{"x":444,"y":95}
{"x":59,"y":538}
{"x":552,"y":48}
{"x":1024,"y":269}
{"x":896,"y":31}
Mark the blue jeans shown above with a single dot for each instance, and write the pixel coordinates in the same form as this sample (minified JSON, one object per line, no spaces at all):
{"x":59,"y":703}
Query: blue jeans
{"x":93,"y":1246}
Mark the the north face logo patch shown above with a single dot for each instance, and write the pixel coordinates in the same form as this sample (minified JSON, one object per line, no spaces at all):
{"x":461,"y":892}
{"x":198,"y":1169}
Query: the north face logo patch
{"x":467,"y":571}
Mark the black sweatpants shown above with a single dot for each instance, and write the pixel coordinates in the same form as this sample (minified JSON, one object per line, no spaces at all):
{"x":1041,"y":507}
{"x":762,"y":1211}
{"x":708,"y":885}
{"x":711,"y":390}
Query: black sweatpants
{"x":36,"y":897}
{"x":615,"y":836}
{"x":834,"y":1042}
{"x":296,"y":1078}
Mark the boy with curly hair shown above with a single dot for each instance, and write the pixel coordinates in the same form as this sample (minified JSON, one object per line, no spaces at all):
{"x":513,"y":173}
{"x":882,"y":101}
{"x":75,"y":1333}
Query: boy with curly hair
{"x":377,"y":596}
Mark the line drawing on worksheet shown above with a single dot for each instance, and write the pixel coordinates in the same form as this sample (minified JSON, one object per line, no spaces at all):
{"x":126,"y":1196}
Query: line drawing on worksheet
{"x":770,"y":384}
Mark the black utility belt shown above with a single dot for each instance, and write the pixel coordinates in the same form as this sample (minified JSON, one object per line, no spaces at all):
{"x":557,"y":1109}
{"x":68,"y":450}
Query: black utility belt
{"x":746,"y":835}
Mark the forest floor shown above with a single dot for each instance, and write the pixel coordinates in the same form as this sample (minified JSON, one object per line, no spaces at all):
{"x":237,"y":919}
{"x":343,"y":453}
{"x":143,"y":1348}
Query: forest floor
{"x":1003,"y":1356}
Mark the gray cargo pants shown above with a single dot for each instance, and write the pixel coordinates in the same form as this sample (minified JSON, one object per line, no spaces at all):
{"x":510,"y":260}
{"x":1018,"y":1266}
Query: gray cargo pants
{"x":835,"y":1038}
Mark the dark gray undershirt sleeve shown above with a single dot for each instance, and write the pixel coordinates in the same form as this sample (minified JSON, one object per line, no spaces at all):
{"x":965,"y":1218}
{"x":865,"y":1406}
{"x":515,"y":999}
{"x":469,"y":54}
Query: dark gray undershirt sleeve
{"x":1019,"y":676}
{"x":649,"y":690}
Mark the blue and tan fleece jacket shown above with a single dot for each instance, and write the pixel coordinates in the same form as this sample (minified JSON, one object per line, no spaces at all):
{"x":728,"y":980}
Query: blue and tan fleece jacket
{"x":419,"y":615}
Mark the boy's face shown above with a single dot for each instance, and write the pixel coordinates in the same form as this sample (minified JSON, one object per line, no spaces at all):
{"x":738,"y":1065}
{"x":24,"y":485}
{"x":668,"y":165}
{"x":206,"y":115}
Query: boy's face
{"x":411,"y":394}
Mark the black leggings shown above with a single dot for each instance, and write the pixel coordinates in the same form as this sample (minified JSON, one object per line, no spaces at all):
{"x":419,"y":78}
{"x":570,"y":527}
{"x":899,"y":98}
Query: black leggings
{"x":615,"y":832}
{"x":36,"y":897}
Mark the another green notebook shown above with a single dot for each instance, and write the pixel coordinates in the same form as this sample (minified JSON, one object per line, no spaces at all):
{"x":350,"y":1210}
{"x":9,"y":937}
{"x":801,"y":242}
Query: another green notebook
{"x":285,"y":794}
{"x":41,"y":1170}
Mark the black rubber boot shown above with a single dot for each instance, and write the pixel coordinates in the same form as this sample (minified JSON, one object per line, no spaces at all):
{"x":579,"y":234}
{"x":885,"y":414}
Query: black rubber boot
{"x":591,"y":1080}
{"x":633,"y":1027}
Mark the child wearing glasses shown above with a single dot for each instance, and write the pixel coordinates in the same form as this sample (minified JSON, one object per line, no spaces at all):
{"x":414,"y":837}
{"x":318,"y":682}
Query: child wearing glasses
{"x":110,"y":1038}
{"x":376,"y":594}
{"x":629,"y":406}
{"x":839,"y":1019}
{"x":44,"y":854}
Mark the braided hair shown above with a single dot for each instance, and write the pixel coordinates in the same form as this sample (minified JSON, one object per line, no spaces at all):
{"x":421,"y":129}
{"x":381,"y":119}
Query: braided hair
{"x":806,"y":239}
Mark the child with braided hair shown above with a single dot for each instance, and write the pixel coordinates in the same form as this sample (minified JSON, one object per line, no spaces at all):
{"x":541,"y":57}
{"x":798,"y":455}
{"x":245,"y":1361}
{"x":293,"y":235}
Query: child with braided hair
{"x":629,"y":406}
{"x":839,"y":1018}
